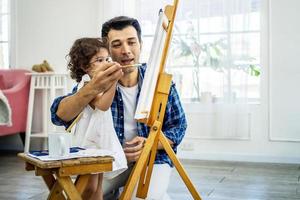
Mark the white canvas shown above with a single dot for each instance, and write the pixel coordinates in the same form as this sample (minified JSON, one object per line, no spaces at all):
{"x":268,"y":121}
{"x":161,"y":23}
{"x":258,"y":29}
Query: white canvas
{"x":151,"y":74}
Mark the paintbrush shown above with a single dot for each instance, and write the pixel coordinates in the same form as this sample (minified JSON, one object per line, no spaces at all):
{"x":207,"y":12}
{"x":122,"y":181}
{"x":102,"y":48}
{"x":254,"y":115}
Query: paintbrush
{"x":74,"y":122}
{"x":133,"y":65}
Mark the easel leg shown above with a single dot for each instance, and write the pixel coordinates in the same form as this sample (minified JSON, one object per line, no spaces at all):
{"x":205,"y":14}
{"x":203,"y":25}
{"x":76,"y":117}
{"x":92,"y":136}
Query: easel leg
{"x":143,"y":186}
{"x":137,"y":170}
{"x":178,"y":166}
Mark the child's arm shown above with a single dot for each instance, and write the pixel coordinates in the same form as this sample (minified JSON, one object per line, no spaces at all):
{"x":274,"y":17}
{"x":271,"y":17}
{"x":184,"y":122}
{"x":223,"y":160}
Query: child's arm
{"x":103,"y":101}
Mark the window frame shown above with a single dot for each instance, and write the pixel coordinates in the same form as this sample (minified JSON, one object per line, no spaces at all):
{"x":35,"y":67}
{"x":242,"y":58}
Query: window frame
{"x":229,"y":33}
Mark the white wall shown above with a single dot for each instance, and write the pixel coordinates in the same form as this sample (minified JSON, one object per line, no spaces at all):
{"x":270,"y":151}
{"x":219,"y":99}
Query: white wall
{"x":284,"y":70}
{"x":278,"y":108}
{"x":46,"y":29}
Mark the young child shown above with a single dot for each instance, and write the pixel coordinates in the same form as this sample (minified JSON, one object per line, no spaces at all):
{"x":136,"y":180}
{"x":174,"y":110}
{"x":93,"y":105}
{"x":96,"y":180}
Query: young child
{"x":95,"y":130}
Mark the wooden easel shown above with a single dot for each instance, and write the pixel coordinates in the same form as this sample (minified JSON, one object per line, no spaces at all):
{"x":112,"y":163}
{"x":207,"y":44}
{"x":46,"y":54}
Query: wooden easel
{"x":144,"y":166}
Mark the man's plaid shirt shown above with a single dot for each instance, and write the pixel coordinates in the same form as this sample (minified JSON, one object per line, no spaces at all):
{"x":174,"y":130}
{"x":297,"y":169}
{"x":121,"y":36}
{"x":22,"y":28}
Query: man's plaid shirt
{"x":174,"y":124}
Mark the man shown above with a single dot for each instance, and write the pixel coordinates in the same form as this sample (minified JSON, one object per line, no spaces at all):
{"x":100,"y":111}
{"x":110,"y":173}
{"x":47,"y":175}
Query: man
{"x":124,"y":40}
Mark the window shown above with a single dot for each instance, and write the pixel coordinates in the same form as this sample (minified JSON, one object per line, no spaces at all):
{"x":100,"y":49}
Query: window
{"x":215,"y":47}
{"x":4,"y":33}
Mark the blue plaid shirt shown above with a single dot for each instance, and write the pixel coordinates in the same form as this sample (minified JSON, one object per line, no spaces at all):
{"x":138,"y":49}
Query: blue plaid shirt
{"x":174,"y":124}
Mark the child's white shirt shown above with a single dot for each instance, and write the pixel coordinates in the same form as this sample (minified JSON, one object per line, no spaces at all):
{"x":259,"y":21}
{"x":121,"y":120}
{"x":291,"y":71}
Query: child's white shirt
{"x":95,"y":130}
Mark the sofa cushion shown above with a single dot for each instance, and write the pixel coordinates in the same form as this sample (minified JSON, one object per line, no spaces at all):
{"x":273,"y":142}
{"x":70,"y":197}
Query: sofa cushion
{"x":2,"y":83}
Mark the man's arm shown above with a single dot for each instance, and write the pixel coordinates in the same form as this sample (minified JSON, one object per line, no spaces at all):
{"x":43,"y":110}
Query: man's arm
{"x":54,"y":118}
{"x":69,"y":107}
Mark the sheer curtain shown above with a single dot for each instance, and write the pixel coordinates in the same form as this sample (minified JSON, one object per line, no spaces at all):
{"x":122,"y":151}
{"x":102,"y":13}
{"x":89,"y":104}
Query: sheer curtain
{"x":232,"y":88}
{"x":214,"y":59}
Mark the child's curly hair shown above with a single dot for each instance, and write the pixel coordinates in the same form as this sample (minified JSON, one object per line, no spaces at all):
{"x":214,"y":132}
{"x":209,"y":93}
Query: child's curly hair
{"x":81,"y":53}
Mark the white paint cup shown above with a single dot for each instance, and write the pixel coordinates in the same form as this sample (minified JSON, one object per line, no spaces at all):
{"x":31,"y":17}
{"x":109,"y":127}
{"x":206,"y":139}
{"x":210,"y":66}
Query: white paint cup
{"x":59,"y":144}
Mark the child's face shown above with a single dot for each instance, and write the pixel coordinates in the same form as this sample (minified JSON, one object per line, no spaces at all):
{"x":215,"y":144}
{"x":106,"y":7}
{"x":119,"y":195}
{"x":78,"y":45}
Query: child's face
{"x":98,"y":60}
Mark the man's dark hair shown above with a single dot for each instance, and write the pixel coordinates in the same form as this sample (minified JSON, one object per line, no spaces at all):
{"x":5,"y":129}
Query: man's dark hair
{"x":119,"y":23}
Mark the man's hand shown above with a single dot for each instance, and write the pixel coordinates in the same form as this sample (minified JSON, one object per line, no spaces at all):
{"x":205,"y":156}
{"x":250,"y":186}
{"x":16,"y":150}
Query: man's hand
{"x":105,"y":76}
{"x":133,"y":148}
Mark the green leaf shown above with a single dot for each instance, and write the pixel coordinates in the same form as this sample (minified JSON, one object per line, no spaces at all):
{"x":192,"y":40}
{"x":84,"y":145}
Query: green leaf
{"x":254,"y":70}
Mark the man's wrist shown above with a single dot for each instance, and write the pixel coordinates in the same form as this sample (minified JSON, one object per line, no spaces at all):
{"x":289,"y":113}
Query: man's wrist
{"x":87,"y":93}
{"x":91,"y":91}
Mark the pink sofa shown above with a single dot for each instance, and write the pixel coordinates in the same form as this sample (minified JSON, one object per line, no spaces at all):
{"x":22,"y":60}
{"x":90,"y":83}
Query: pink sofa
{"x":15,"y":85}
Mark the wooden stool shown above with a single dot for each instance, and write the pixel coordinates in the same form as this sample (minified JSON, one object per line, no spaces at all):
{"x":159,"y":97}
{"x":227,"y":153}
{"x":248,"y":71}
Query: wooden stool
{"x":57,"y":174}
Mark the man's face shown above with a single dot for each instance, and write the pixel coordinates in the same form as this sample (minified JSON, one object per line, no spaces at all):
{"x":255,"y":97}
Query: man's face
{"x":124,"y":46}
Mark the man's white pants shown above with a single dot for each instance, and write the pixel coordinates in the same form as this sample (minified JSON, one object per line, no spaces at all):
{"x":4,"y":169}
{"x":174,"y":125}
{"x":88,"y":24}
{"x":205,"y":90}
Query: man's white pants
{"x":158,"y":183}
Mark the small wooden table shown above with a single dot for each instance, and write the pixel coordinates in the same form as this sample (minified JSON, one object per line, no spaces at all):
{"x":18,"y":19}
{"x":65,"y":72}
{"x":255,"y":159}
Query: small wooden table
{"x":57,"y":174}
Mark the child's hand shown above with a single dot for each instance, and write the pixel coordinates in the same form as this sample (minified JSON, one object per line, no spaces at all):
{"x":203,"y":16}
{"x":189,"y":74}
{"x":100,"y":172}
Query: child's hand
{"x":96,"y":67}
{"x":104,"y":76}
